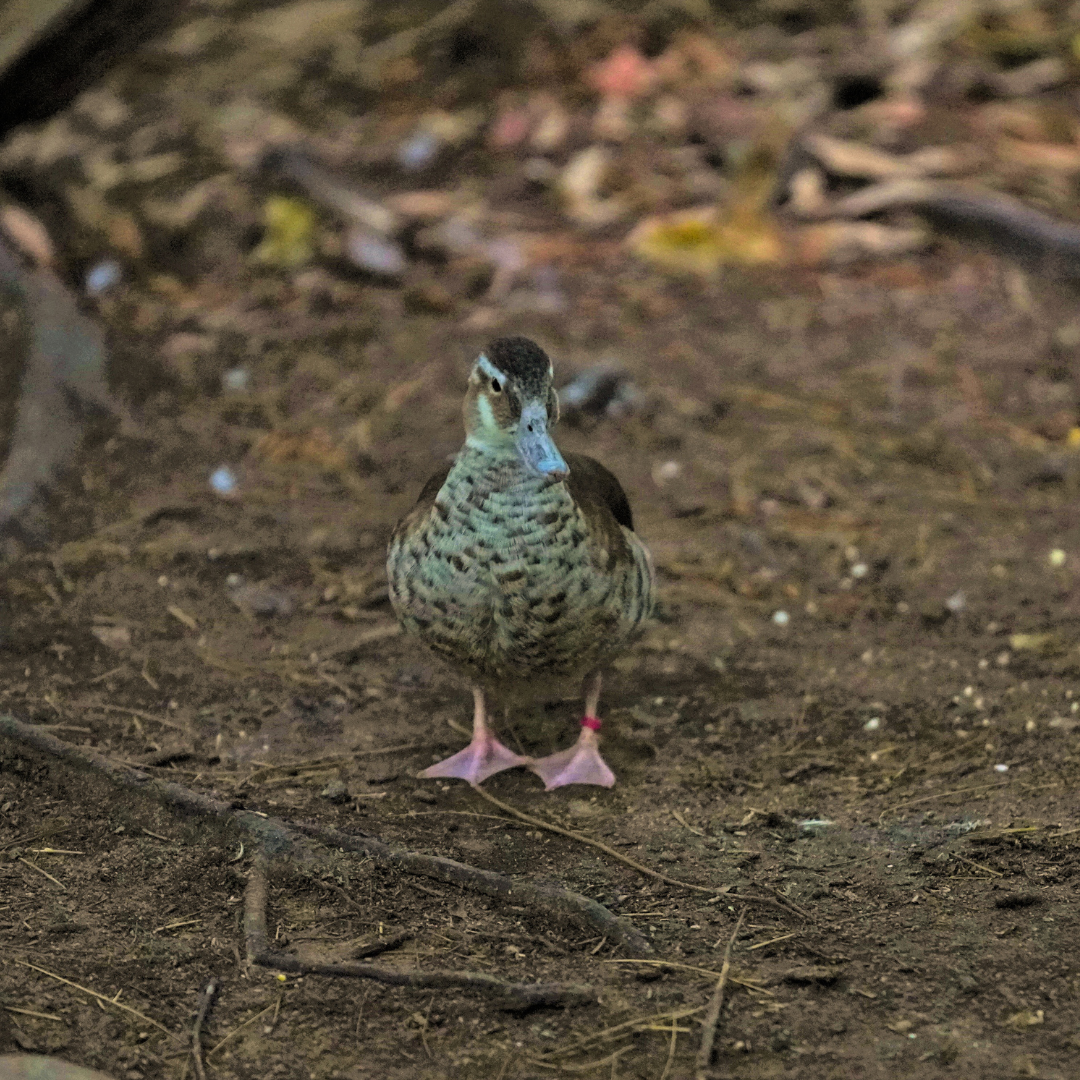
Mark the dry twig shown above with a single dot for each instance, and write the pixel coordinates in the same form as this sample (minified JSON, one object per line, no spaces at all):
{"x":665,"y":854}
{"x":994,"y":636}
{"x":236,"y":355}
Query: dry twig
{"x":514,"y":996}
{"x":97,"y":996}
{"x":941,"y":795}
{"x":615,"y":1032}
{"x":539,"y":823}
{"x":785,"y":905}
{"x":676,"y":966}
{"x":240,"y":1027}
{"x":43,"y":873}
{"x":712,"y":1014}
{"x":206,"y":999}
{"x":587,"y":1066}
{"x":978,"y":865}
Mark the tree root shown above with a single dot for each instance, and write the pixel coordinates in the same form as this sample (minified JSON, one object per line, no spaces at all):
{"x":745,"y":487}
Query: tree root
{"x":277,"y":839}
{"x":548,"y":896}
{"x":65,"y":364}
{"x":509,"y":996}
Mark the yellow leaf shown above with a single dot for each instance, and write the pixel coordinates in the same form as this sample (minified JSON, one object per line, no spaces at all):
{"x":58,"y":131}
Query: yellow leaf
{"x":1024,"y":1019}
{"x":290,"y":232}
{"x":700,"y":241}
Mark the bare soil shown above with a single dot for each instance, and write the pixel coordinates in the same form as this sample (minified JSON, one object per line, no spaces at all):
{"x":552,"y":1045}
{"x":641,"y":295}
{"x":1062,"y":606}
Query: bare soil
{"x":859,"y":700}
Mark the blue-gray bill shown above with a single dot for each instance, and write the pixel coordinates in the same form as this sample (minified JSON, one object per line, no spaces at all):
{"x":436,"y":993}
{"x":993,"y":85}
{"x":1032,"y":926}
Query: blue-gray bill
{"x":535,"y":445}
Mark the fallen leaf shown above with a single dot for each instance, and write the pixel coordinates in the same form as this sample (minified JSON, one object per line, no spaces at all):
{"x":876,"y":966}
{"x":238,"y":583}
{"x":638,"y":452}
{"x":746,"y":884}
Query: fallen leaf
{"x":1044,"y":643}
{"x":1039,"y":156}
{"x":700,"y":241}
{"x":112,"y":637}
{"x":837,"y":243}
{"x":1024,"y":1019}
{"x":290,"y":232}
{"x":625,"y":73}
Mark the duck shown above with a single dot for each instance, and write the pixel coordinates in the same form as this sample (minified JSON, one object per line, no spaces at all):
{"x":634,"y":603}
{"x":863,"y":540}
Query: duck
{"x":520,"y":568}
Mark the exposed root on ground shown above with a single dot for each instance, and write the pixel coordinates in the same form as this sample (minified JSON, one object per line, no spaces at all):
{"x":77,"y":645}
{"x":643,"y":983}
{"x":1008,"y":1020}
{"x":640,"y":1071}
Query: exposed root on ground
{"x":511,"y":996}
{"x":278,"y":840}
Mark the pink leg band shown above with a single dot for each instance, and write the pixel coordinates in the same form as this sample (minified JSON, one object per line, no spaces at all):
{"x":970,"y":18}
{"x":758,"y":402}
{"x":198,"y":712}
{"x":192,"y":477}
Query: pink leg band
{"x":591,"y":722}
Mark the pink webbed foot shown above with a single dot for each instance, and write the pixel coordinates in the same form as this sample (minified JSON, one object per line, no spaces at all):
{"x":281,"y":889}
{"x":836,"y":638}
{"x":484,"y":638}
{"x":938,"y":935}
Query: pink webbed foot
{"x":581,"y":764}
{"x":483,"y":757}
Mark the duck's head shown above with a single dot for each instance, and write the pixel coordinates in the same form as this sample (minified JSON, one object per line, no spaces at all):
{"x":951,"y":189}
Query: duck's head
{"x":511,"y":405}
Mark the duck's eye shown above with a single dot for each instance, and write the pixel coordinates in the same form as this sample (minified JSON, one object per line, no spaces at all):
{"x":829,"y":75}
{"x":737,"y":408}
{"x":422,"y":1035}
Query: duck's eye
{"x":496,"y":386}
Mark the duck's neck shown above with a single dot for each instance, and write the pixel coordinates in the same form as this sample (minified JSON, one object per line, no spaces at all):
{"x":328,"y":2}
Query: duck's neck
{"x":497,"y":468}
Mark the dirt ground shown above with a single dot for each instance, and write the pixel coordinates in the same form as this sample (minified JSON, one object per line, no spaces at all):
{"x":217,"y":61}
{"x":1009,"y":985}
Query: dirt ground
{"x":855,"y":718}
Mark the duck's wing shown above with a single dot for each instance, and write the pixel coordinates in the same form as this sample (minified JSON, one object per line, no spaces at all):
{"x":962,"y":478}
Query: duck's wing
{"x":597,"y":490}
{"x":424,"y":502}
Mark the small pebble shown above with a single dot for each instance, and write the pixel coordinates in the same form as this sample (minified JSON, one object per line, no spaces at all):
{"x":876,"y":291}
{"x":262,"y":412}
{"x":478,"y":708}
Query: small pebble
{"x":262,"y":601}
{"x":873,"y":723}
{"x":419,"y":150}
{"x":538,"y":170}
{"x":223,"y":481}
{"x":859,"y":570}
{"x":1001,"y":768}
{"x":236,"y":379}
{"x":335,"y":791}
{"x":665,"y":471}
{"x":375,"y":254}
{"x":1057,"y":558}
{"x":956,"y":602}
{"x":104,"y":275}
{"x":781,"y":618}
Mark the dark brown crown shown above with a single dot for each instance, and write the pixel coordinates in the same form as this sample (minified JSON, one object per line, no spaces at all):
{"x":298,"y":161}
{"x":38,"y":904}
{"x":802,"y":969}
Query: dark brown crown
{"x":522,"y":361}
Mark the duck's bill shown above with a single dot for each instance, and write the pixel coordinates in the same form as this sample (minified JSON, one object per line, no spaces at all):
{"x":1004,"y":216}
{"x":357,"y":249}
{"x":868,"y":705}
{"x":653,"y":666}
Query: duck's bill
{"x":535,"y":445}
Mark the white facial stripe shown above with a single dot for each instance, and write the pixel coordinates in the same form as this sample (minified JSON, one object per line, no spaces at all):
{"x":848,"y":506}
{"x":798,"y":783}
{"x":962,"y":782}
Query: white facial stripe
{"x":487,"y":417}
{"x":489,"y":369}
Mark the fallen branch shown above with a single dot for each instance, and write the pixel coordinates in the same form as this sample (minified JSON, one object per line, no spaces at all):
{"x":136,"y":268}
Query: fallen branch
{"x":377,"y":948}
{"x":206,"y":999}
{"x":512,"y":996}
{"x":712,"y":1014}
{"x":547,"y":896}
{"x":1035,"y":241}
{"x":277,"y":838}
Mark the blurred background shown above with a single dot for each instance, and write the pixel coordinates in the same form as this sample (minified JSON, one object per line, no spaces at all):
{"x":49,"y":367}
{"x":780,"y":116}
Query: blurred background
{"x":807,"y":271}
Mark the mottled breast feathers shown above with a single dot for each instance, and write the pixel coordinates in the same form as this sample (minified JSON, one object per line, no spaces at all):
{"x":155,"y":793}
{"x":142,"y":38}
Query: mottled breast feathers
{"x":594,"y":488}
{"x":515,"y":579}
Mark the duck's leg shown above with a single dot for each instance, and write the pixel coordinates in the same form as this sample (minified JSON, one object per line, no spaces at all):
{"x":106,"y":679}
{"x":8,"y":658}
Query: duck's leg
{"x":483,"y":757}
{"x":582,"y":763}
